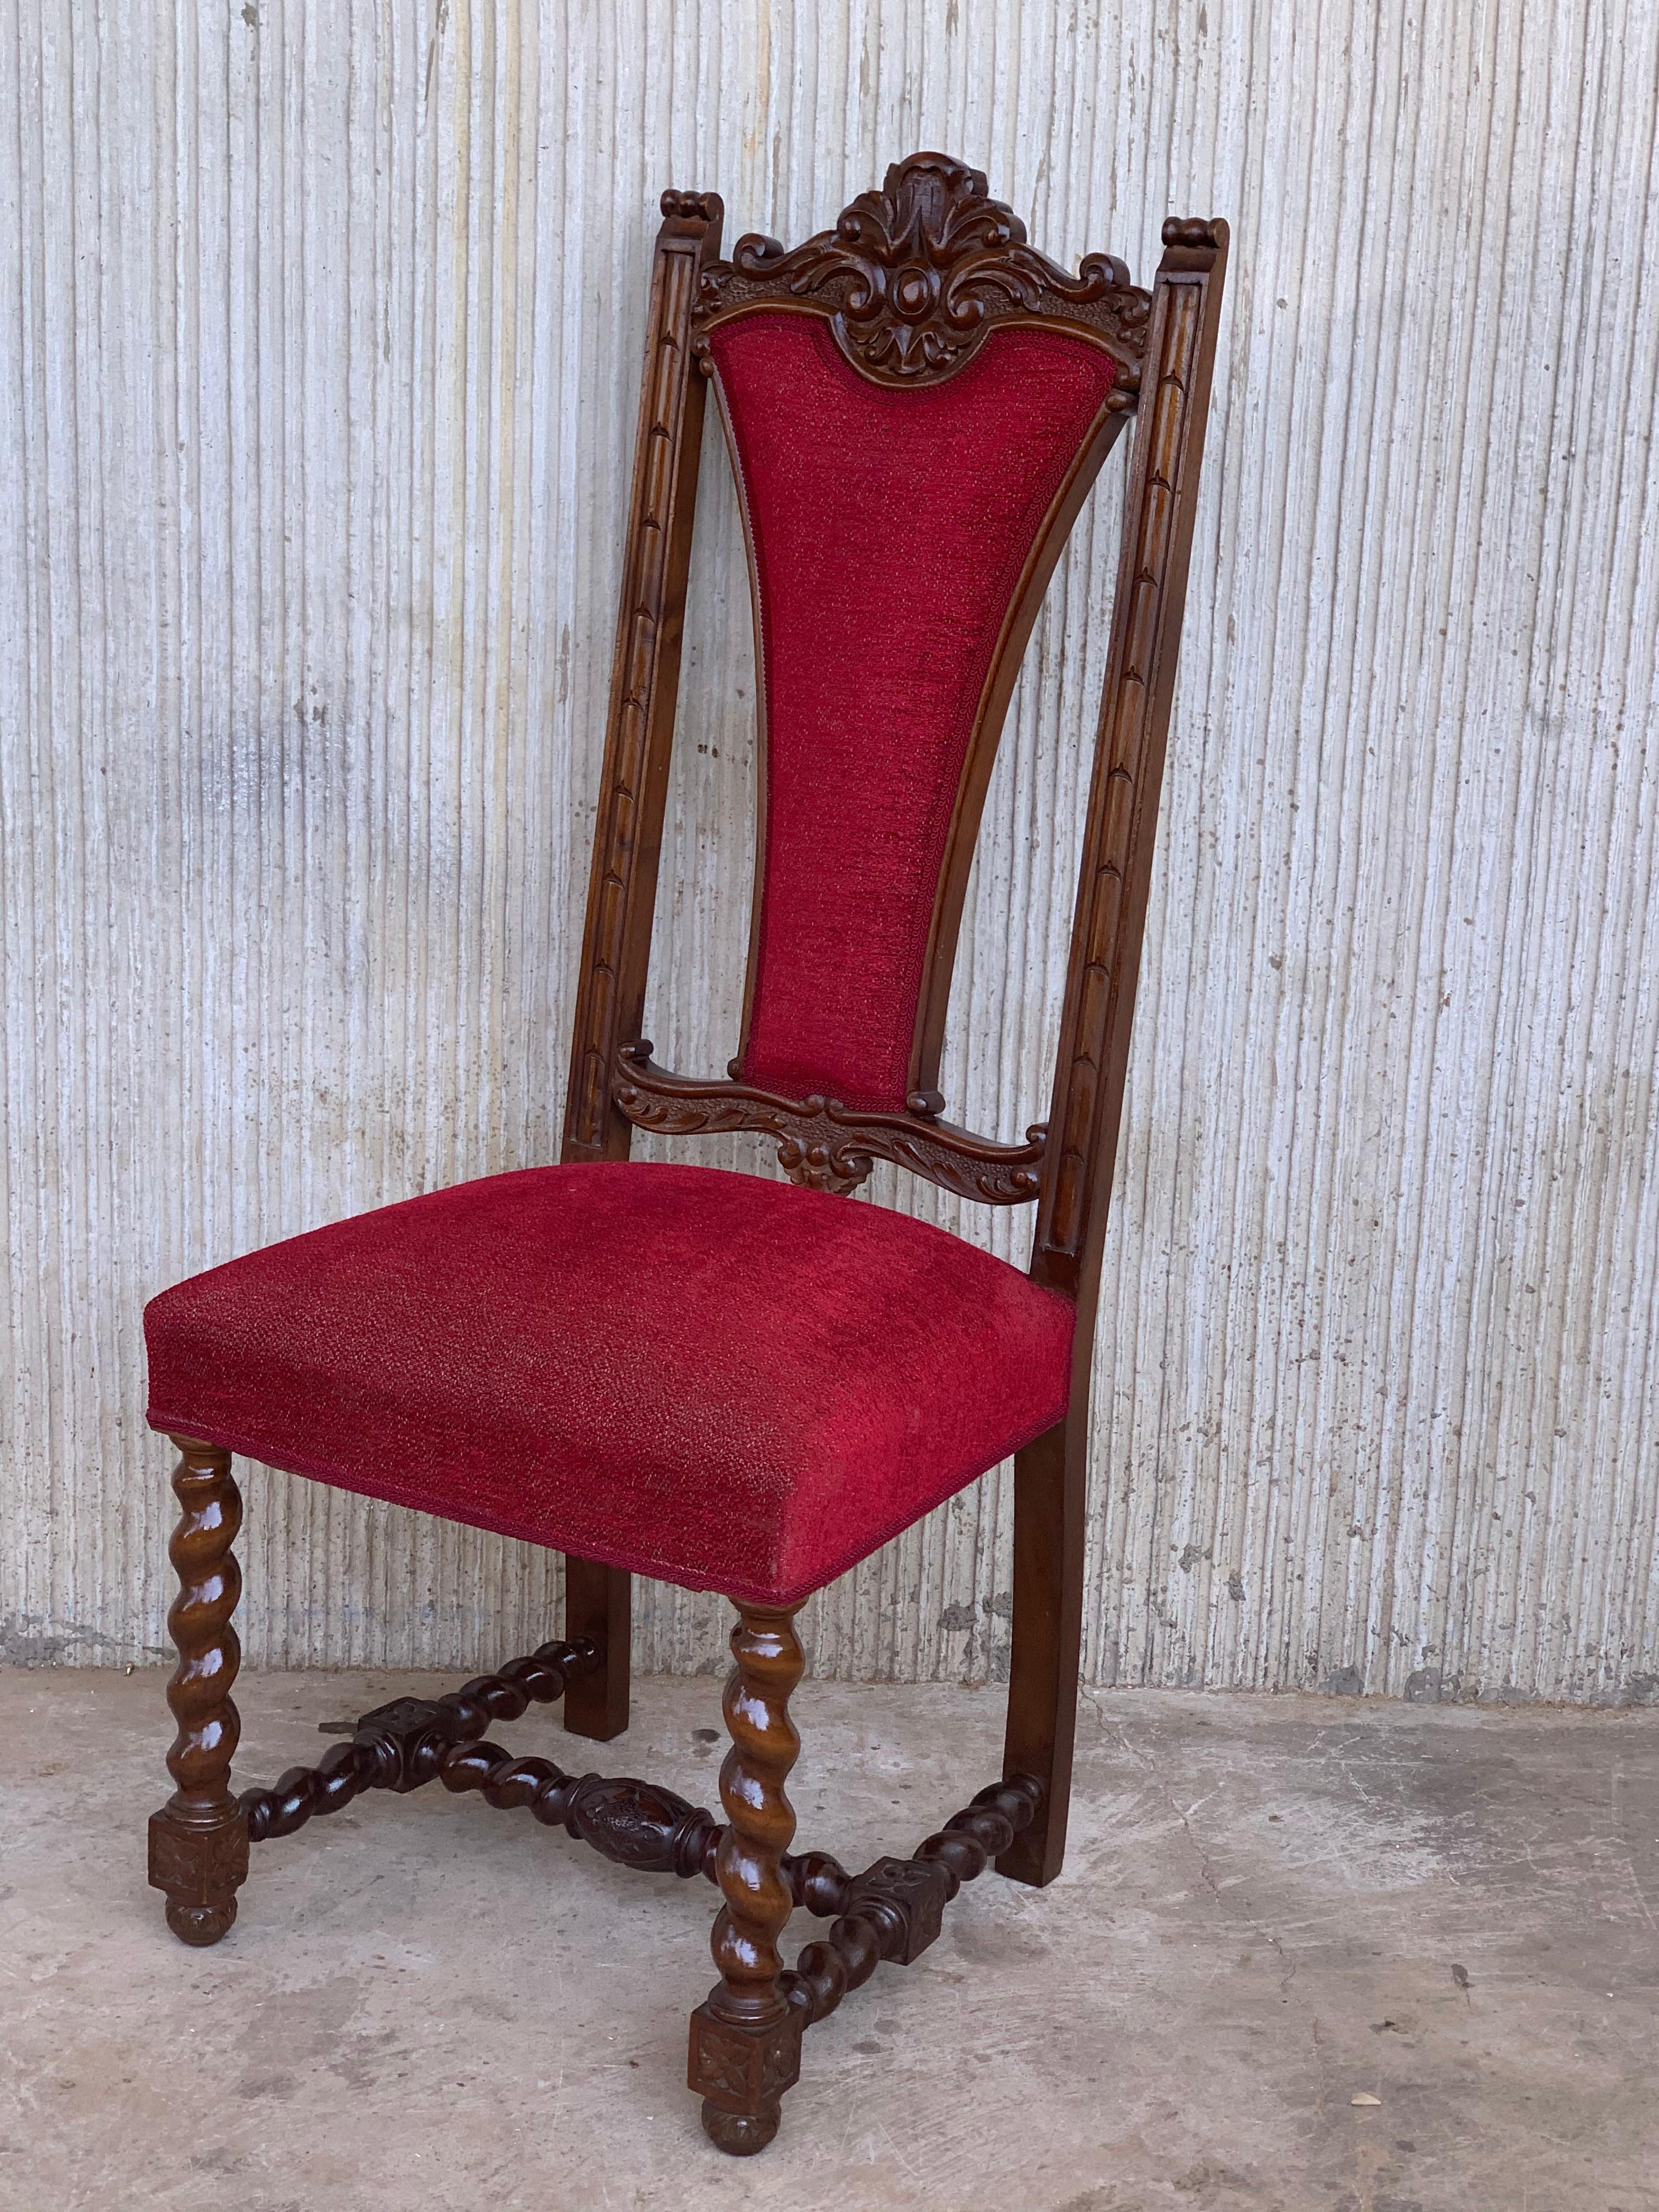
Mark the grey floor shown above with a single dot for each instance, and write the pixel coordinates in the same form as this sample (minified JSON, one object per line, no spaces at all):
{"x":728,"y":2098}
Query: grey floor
{"x":1272,"y":1906}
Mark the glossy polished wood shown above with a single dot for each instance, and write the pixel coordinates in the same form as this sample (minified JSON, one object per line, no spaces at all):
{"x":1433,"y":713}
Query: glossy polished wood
{"x":893,"y":1911}
{"x":412,"y":1741}
{"x":198,"y":1840}
{"x":644,"y":681}
{"x":902,"y":326}
{"x":823,"y":1145}
{"x":1163,"y":345}
{"x":1051,"y":1475}
{"x":912,"y":280}
{"x":1110,"y":919}
{"x":401,"y":1745}
{"x":745,"y":2036}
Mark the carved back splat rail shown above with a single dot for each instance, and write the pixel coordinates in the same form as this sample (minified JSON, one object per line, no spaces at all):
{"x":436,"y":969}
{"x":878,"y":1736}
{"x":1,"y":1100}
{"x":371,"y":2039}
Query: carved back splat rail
{"x":824,"y":1144}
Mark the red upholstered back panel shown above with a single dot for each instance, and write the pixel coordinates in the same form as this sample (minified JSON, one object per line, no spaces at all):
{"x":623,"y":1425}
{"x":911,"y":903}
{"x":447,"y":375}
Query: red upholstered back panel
{"x":889,"y":530}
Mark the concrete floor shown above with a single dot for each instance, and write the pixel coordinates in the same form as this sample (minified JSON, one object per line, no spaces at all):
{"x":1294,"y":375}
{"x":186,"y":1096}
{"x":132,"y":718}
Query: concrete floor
{"x":1271,"y":1905}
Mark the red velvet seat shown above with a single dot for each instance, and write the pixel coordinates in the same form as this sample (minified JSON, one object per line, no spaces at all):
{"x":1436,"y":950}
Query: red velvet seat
{"x":727,"y":1382}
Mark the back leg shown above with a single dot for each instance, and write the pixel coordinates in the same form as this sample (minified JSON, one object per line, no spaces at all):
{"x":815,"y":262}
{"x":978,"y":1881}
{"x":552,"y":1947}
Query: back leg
{"x":599,"y":1607}
{"x":1047,"y":1629}
{"x":198,"y":1840}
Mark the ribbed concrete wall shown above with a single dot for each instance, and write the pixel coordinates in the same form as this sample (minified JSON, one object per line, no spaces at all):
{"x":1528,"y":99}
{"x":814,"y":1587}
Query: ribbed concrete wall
{"x":319,"y":336}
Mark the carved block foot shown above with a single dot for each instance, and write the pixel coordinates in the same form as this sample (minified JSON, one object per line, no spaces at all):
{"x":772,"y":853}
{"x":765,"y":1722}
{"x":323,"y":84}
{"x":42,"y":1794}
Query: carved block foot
{"x":200,"y":1867}
{"x":742,"y":2072}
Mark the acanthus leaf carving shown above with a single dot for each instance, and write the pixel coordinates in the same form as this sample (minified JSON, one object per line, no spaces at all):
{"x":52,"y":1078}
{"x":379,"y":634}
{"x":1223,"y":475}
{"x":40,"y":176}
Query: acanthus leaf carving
{"x":915,"y":276}
{"x":639,"y":1824}
{"x":823,"y":1144}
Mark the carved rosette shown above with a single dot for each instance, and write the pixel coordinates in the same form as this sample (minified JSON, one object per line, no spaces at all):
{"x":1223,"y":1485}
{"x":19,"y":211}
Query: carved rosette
{"x":915,"y":278}
{"x":641,"y":1825}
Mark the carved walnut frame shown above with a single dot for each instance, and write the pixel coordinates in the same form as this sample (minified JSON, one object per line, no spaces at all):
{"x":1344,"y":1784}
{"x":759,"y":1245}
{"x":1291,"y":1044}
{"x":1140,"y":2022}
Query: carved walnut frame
{"x":912,"y":281}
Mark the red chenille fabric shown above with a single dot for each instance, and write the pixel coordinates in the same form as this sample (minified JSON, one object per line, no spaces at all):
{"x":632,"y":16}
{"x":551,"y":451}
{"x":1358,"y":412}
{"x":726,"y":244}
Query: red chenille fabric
{"x":719,"y":1381}
{"x":889,"y":530}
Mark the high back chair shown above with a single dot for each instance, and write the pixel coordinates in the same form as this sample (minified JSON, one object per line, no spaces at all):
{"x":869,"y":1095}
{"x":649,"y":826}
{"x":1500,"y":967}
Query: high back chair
{"x":728,"y":1382}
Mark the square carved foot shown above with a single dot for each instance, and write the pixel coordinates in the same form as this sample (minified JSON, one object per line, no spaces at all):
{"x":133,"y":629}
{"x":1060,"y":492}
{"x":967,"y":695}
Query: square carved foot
{"x":200,"y":1866}
{"x":741,"y":2070}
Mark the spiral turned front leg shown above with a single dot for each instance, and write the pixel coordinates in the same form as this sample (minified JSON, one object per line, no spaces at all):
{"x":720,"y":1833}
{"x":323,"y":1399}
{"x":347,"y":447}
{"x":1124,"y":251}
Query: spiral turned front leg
{"x":746,"y":2038}
{"x":198,"y":1841}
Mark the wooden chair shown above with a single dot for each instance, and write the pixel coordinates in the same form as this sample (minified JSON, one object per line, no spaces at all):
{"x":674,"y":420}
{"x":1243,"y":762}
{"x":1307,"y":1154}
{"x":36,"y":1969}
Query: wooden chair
{"x":715,"y":1378}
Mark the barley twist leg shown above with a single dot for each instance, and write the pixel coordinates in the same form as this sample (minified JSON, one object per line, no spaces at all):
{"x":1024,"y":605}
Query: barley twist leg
{"x":746,"y":2038}
{"x":198,"y":1840}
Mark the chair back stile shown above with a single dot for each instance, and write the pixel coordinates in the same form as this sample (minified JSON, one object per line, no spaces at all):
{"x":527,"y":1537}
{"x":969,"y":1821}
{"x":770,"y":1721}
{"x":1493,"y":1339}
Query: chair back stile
{"x":1115,"y":875}
{"x":621,"y":890}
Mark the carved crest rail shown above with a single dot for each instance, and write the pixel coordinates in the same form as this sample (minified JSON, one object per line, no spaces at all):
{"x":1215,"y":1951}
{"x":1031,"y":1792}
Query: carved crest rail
{"x":915,"y":278}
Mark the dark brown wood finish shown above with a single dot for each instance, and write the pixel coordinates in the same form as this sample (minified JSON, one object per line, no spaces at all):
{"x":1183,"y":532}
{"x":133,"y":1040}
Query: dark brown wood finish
{"x":597,"y":1613}
{"x":644,"y":681}
{"x":628,"y":834}
{"x":912,"y":280}
{"x":894,"y":1912}
{"x":915,"y":277}
{"x":1050,"y":1498}
{"x":890,"y":1913}
{"x":1051,"y":1475}
{"x":413,"y":1741}
{"x":1116,"y":875}
{"x":198,"y":1840}
{"x":824,"y":1144}
{"x":745,"y":2036}
{"x":400,"y":1746}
